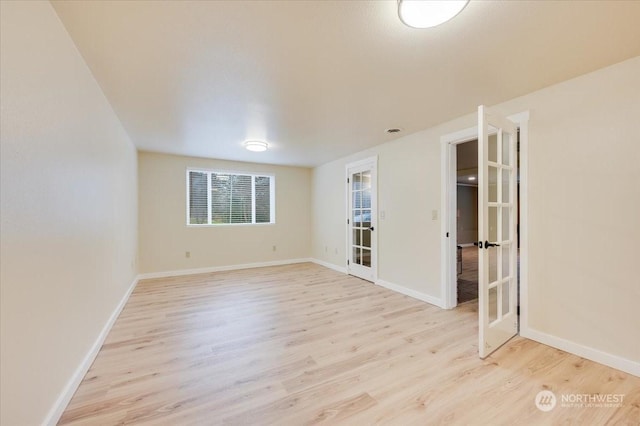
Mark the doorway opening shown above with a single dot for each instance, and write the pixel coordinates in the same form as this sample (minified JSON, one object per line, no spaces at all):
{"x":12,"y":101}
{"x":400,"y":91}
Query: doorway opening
{"x":466,"y":218}
{"x":464,"y":222}
{"x":459,"y":258}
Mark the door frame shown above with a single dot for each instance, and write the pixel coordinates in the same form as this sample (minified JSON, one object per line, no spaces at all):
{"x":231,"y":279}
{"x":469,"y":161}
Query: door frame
{"x":448,"y":275}
{"x":373,"y":161}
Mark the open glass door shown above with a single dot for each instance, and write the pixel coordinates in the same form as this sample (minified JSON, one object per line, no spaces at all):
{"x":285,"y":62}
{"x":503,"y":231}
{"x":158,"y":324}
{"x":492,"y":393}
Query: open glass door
{"x":361,"y":182}
{"x":497,"y":221}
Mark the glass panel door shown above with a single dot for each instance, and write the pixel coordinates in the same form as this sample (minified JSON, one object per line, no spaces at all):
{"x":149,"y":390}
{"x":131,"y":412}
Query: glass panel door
{"x":361,"y":181}
{"x":497,"y":220}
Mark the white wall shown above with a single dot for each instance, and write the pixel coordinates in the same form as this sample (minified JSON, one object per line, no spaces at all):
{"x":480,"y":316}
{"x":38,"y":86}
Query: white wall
{"x":584,"y":209}
{"x":165,"y":237}
{"x":408,"y":191}
{"x":68,"y":211}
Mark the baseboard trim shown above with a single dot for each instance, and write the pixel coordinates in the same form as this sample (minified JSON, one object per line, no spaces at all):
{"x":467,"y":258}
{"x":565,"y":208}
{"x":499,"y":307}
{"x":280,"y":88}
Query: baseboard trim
{"x":411,"y":293}
{"x":329,"y":265}
{"x":613,"y":361}
{"x":70,"y":388}
{"x":176,"y":273}
{"x":386,"y":284}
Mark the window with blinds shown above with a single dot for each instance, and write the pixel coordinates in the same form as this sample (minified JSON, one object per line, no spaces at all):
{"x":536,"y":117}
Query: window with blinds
{"x":220,"y":198}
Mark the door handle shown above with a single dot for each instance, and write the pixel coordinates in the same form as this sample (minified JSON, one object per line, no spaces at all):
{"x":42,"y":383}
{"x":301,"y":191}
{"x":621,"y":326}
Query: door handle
{"x":371,"y":228}
{"x":487,"y":244}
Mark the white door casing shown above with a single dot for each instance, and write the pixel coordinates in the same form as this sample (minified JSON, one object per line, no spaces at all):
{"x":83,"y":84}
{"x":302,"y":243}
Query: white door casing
{"x":497,"y":221}
{"x":362,"y":213}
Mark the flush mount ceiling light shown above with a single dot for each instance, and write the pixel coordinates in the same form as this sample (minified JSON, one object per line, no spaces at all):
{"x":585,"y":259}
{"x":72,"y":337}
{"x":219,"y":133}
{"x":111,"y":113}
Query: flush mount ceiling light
{"x":256,"y":146}
{"x":428,"y":13}
{"x":471,"y":178}
{"x":394,"y":130}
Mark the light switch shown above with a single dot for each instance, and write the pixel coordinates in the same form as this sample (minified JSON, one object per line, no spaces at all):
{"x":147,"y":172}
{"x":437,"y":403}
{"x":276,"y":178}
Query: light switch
{"x":382,"y":214}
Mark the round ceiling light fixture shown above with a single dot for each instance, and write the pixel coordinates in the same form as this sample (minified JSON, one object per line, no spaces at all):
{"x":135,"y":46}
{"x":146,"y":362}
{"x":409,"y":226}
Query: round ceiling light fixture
{"x":428,"y":13}
{"x":394,"y":130}
{"x":256,"y":146}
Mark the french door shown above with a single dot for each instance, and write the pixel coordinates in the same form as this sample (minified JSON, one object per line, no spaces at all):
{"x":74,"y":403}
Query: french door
{"x":361,"y":219}
{"x":497,"y":221}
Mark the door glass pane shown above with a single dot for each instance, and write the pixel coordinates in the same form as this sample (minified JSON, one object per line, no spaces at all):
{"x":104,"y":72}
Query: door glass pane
{"x":506,"y":222}
{"x":493,"y":184}
{"x":357,"y":200}
{"x":506,"y":264}
{"x":492,"y":255}
{"x":366,"y":199}
{"x":366,"y":179}
{"x":505,"y":298}
{"x":493,"y":304}
{"x":493,"y":224}
{"x":493,"y":145}
{"x":366,"y":238}
{"x":356,"y":181}
{"x":506,"y":176}
{"x":356,"y":256}
{"x":356,"y":237}
{"x":366,"y":257}
{"x":357,"y":217}
{"x":366,"y":218}
{"x":506,"y":148}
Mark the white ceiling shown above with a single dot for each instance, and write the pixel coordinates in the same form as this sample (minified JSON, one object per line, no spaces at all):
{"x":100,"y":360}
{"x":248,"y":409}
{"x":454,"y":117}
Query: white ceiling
{"x":322,"y":79}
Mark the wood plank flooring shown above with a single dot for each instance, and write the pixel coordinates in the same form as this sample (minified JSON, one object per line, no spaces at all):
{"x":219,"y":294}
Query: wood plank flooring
{"x":302,"y":344}
{"x":468,"y":279}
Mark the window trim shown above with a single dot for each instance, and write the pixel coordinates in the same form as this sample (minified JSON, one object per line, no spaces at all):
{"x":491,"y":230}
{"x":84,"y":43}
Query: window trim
{"x":272,"y":196}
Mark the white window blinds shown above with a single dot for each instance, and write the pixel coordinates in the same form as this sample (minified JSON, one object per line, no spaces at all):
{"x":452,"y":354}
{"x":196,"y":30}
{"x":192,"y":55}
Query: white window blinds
{"x":198,"y":198}
{"x":263,"y":199}
{"x":216,"y":198}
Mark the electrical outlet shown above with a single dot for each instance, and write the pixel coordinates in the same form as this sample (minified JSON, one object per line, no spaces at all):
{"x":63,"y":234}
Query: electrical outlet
{"x":187,"y":254}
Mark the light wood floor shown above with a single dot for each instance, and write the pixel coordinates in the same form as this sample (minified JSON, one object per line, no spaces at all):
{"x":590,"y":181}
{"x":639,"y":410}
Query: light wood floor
{"x":302,"y":344}
{"x":468,"y":279}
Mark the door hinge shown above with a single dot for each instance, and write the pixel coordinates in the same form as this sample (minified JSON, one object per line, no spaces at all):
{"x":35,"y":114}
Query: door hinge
{"x":518,"y":310}
{"x":347,"y":261}
{"x":447,"y":235}
{"x":347,"y":180}
{"x":347,"y":221}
